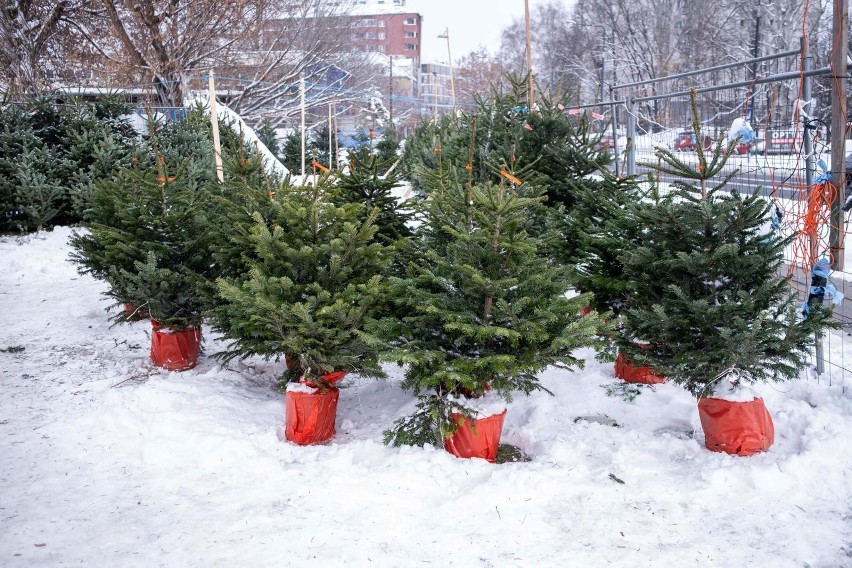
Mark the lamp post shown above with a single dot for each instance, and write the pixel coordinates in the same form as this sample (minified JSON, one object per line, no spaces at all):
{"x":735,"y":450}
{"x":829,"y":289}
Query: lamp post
{"x":446,"y":35}
{"x":390,"y":88}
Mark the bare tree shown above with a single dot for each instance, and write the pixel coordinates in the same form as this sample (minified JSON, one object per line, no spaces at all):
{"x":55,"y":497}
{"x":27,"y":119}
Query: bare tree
{"x":558,"y":52}
{"x":306,"y":40}
{"x":476,"y":74}
{"x":28,"y":34}
{"x":165,"y":40}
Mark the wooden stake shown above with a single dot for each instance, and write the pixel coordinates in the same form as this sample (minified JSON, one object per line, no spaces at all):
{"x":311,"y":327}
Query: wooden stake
{"x":529,"y":51}
{"x":214,"y":122}
{"x":302,"y":93}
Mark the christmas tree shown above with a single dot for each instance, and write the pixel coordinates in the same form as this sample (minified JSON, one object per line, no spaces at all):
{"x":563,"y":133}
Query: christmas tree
{"x":597,"y":229}
{"x":366,"y":183}
{"x":313,"y":280}
{"x":482,"y":309}
{"x":146,"y":230}
{"x":705,"y":292}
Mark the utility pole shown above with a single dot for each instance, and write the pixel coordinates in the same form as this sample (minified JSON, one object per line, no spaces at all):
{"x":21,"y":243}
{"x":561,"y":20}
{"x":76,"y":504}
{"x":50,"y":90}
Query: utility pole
{"x":529,"y":51}
{"x":838,"y":128}
{"x":390,"y":89}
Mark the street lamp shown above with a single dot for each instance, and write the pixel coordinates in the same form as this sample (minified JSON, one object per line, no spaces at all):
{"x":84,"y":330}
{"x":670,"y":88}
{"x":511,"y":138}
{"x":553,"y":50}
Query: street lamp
{"x":446,"y":35}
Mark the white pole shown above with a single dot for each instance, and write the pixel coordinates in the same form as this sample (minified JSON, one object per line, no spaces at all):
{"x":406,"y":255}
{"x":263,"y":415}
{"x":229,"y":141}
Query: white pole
{"x":214,"y":122}
{"x":330,"y":149}
{"x":302,"y":92}
{"x":529,"y":50}
{"x":452,"y":82}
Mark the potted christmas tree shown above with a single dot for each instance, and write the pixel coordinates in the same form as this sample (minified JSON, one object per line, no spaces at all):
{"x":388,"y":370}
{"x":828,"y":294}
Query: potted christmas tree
{"x":145,"y":238}
{"x":707,"y":308}
{"x":313,"y":279}
{"x":602,"y":227}
{"x":479,"y":314}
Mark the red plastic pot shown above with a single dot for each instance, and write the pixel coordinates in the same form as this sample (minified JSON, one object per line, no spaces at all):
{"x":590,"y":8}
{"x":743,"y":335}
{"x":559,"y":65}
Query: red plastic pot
{"x":739,"y":428}
{"x":479,"y":439}
{"x":309,"y":417}
{"x":630,"y":373}
{"x":175,"y":350}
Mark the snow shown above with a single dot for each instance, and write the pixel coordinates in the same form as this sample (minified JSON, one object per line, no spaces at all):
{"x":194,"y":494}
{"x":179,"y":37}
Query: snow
{"x":271,"y":164}
{"x":107,"y":461}
{"x":486,"y":405}
{"x":301,"y":387}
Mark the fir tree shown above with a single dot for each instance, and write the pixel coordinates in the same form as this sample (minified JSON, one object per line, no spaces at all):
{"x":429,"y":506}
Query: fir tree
{"x":147,"y":226}
{"x":266,"y":134}
{"x":230,"y":218}
{"x":366,"y":184}
{"x":593,"y":236}
{"x":313,"y":281}
{"x":320,"y":149}
{"x":291,"y":153}
{"x":555,"y":148}
{"x":705,"y":294}
{"x":387,"y":149}
{"x":481,"y":309}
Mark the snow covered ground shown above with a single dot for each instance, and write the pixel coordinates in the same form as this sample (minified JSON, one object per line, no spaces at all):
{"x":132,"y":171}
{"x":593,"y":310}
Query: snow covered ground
{"x":107,"y":461}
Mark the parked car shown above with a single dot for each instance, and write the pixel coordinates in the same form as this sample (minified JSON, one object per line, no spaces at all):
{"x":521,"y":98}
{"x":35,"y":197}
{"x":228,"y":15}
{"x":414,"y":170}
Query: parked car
{"x":605,"y":144}
{"x":686,"y":142}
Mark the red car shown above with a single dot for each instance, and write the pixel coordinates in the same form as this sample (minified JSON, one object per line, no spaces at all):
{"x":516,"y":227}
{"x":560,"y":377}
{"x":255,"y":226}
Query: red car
{"x":686,"y":142}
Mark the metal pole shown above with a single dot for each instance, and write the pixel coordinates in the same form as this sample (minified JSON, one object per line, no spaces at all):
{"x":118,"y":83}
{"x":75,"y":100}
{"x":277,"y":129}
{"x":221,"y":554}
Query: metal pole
{"x":838,"y":128}
{"x":631,"y":137}
{"x":773,"y":57}
{"x":330,"y":149}
{"x":615,"y":152}
{"x":390,"y":89}
{"x":749,"y":96}
{"x":302,"y":94}
{"x":214,"y":123}
{"x":529,"y":52}
{"x":452,"y":81}
{"x":807,"y":90}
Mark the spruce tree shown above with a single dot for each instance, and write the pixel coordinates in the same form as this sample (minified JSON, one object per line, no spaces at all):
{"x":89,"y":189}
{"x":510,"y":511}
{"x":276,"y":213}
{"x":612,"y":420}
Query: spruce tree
{"x":313,"y":280}
{"x":705,"y":292}
{"x":365,"y":183}
{"x":482,"y":308}
{"x":598,"y":229}
{"x":146,"y":226}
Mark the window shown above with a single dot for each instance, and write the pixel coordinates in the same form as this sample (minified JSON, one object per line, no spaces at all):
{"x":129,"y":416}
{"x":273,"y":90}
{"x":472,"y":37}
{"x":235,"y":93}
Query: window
{"x":366,"y":23}
{"x":381,"y":35}
{"x":410,"y":47}
{"x":410,"y":22}
{"x":381,"y":23}
{"x":410,"y":34}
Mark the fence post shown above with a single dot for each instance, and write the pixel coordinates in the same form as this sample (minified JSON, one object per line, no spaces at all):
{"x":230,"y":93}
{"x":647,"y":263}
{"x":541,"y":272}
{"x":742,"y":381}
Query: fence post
{"x":839,"y":119}
{"x":631,"y":136}
{"x":615,"y":138}
{"x":807,"y":94}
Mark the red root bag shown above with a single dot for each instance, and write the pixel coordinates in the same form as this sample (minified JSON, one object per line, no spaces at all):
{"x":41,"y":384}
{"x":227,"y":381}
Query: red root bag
{"x":175,"y":350}
{"x":740,"y":428}
{"x":627,"y":372}
{"x":310,"y":417}
{"x":478,"y":440}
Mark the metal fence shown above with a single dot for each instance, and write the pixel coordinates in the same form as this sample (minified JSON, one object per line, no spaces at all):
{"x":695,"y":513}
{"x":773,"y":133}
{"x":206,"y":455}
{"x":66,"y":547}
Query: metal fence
{"x":789,"y":153}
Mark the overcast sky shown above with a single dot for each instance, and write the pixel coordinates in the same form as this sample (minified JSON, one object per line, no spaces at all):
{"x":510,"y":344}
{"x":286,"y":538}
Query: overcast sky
{"x":471,"y":23}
